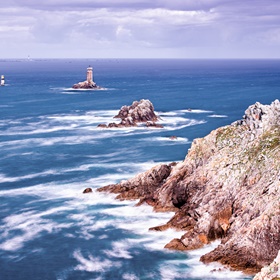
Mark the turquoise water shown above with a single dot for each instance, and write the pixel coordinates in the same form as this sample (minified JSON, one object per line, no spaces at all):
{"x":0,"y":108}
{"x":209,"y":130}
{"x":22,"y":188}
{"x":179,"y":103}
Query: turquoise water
{"x":51,"y":150}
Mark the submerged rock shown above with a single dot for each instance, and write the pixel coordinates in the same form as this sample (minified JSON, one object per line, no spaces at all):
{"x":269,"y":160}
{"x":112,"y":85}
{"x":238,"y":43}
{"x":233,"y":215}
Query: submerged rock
{"x":227,"y":188}
{"x":139,"y":112}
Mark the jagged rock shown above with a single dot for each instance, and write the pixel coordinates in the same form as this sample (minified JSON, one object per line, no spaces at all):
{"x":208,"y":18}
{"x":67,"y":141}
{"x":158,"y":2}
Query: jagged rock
{"x":227,"y":188}
{"x":153,"y":124}
{"x":139,"y":112}
{"x":142,"y":186}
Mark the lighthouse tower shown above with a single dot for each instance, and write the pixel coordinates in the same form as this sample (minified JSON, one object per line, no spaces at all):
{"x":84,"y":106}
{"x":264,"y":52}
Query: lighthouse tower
{"x":89,"y":75}
{"x":2,"y":80}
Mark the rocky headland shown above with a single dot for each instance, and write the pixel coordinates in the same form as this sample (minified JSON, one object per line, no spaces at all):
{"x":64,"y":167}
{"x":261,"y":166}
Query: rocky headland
{"x":227,"y":188}
{"x":139,"y":112}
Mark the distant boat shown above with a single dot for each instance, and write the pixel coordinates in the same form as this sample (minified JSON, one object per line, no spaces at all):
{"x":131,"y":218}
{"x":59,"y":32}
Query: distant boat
{"x":2,"y":80}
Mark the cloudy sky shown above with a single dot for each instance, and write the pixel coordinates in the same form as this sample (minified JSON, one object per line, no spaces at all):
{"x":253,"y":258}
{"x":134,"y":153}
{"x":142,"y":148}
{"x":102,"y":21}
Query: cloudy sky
{"x":140,"y":29}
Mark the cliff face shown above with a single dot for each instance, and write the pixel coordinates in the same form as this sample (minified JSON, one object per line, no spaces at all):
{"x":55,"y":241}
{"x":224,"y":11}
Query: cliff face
{"x":228,"y":188}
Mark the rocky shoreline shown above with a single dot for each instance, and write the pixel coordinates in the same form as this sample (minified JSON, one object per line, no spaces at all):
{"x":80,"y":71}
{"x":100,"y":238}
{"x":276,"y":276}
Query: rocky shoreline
{"x":227,"y":188}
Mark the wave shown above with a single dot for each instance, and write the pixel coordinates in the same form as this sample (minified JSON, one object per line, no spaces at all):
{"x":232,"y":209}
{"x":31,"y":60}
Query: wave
{"x":88,"y":217}
{"x":121,"y":171}
{"x":213,"y":270}
{"x":191,"y":268}
{"x":28,"y":225}
{"x":91,"y":263}
{"x":195,"y":111}
{"x":88,"y":121}
{"x":120,"y":249}
{"x":179,"y":123}
{"x":217,"y":116}
{"x":65,"y":90}
{"x":168,"y":140}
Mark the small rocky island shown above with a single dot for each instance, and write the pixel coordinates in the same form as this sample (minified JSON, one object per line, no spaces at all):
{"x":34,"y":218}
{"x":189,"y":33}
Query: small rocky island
{"x":139,"y":112}
{"x":89,"y":83}
{"x":227,"y":188}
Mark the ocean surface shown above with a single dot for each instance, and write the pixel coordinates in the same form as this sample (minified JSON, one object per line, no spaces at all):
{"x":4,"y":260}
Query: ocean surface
{"x":51,"y":150}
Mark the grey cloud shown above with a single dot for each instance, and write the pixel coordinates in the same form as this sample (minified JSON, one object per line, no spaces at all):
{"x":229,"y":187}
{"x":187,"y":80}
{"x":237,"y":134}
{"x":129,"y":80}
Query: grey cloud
{"x":121,"y":4}
{"x":201,"y":27}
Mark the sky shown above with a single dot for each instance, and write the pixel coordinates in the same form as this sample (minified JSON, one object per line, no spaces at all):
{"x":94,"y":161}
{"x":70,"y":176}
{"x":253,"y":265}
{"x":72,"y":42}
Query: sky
{"x":140,"y":29}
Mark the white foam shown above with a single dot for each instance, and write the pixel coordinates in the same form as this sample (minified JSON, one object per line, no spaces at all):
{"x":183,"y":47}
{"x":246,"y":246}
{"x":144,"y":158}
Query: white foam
{"x":178,"y":124}
{"x":30,"y":224}
{"x":125,"y":171}
{"x":92,"y":264}
{"x":139,"y":220}
{"x":82,"y":89}
{"x":195,"y":111}
{"x":169,"y":140}
{"x":169,"y":273}
{"x":32,"y":130}
{"x":130,"y":276}
{"x":124,"y":215}
{"x":191,"y":267}
{"x":217,"y":116}
{"x":4,"y":179}
{"x":214,"y":270}
{"x":119,"y":250}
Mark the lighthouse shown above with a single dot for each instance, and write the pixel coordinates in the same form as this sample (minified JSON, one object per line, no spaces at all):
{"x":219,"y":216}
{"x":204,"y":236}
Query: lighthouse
{"x":88,"y":83}
{"x":2,"y":80}
{"x":89,"y":75}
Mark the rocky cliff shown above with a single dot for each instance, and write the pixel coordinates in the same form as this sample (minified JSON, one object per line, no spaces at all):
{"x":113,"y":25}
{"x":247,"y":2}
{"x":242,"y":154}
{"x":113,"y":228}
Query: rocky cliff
{"x":227,"y":188}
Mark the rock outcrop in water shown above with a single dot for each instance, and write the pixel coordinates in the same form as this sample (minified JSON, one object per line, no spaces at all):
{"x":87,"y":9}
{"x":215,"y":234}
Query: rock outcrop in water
{"x":86,"y":85}
{"x":139,"y":112}
{"x":227,"y":188}
{"x":89,"y":83}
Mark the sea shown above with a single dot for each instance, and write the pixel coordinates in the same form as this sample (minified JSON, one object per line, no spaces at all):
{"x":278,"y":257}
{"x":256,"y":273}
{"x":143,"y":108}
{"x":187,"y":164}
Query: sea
{"x":51,"y":150}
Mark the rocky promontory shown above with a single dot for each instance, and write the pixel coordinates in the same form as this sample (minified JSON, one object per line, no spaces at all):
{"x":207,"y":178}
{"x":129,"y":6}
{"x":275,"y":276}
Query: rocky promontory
{"x":139,"y":112}
{"x":227,"y":188}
